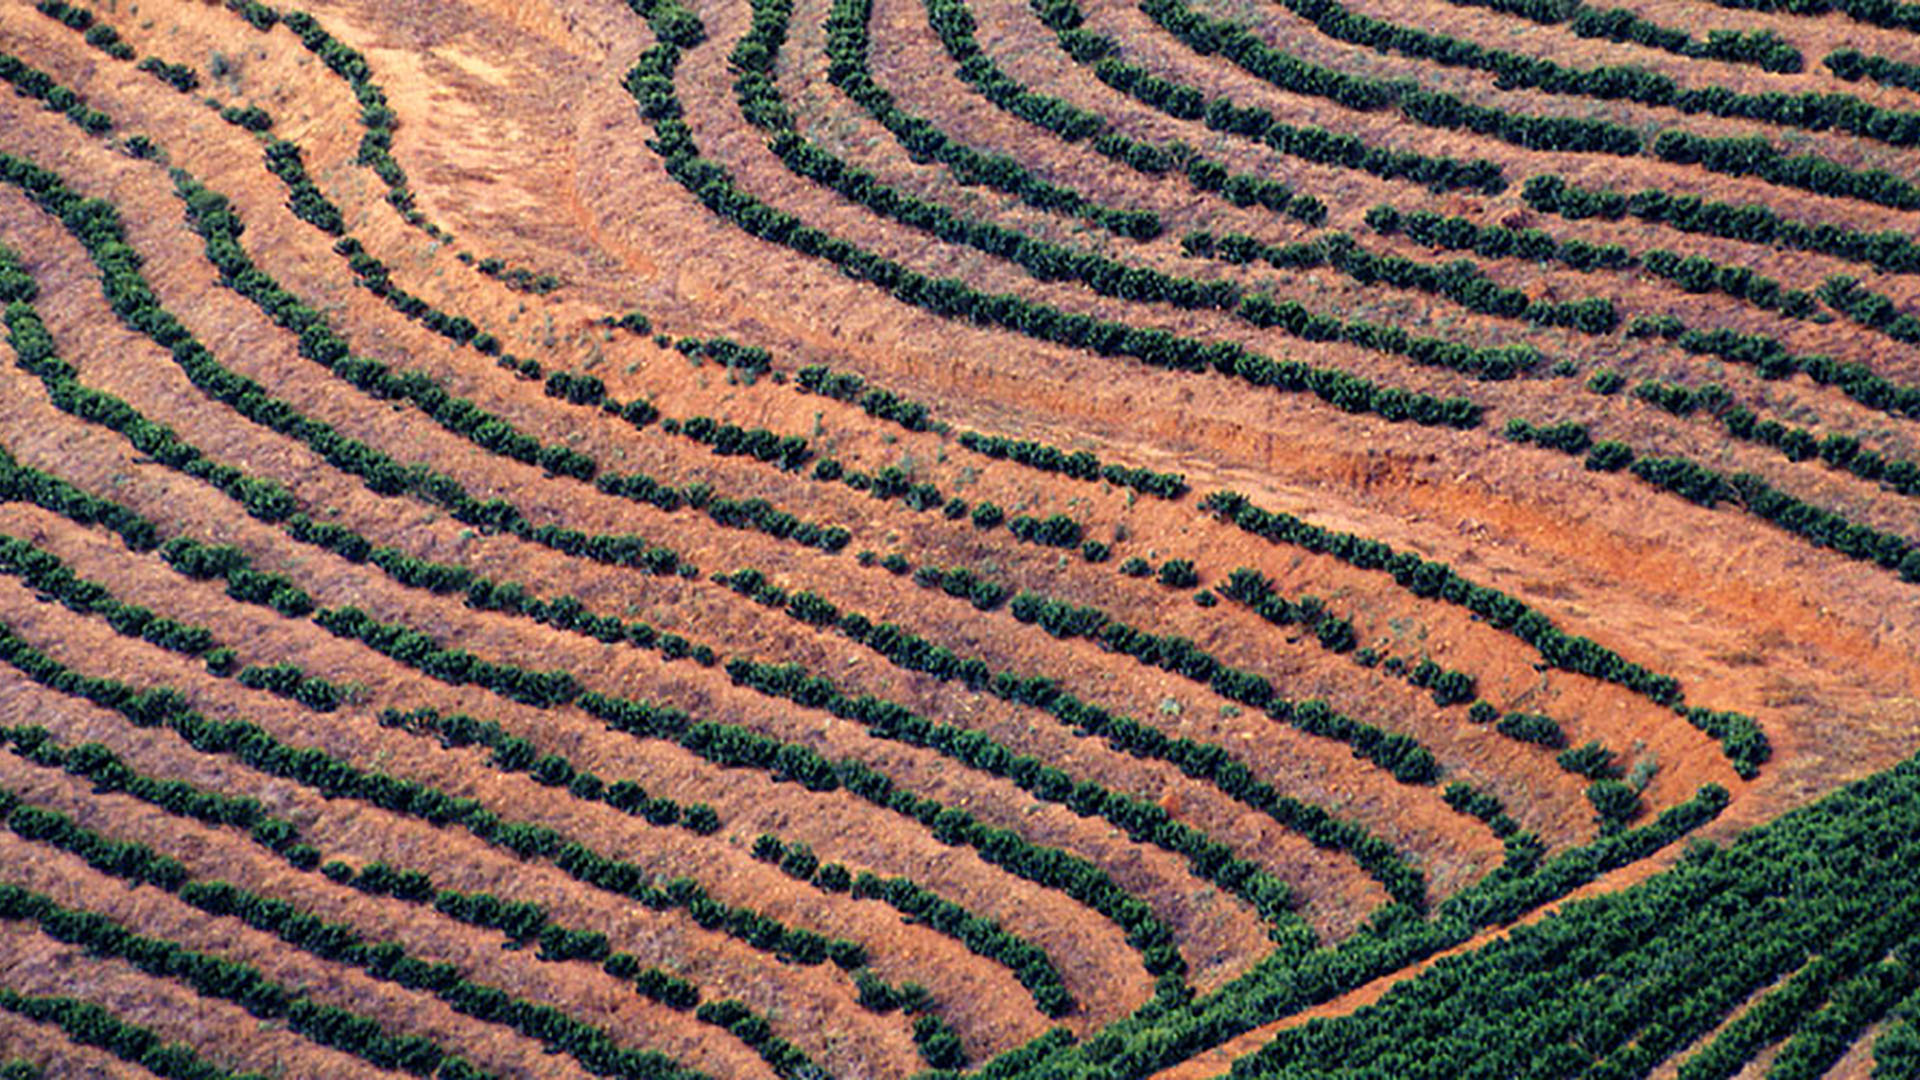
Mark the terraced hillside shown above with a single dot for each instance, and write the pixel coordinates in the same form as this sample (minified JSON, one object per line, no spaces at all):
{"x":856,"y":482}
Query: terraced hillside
{"x":874,"y":538}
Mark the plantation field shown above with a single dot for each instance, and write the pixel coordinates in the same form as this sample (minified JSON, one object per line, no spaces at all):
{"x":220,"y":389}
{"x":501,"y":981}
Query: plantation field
{"x":929,"y":538}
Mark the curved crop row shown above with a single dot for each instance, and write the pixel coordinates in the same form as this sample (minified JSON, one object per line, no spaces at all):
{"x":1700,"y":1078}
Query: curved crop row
{"x":521,"y":922}
{"x":1811,"y":111}
{"x":847,"y":48}
{"x":1317,"y":145}
{"x":1433,"y":579}
{"x":1433,"y":109}
{"x":335,"y":778}
{"x":953,"y":23}
{"x":1459,"y":281}
{"x":762,"y":106}
{"x":91,"y":1024}
{"x":651,"y":83}
{"x":1890,"y":251}
{"x":984,"y":937}
{"x":208,"y":975}
{"x":1716,"y":901}
{"x":593,"y":1047}
{"x":1200,"y":760}
{"x":723,"y":744}
{"x":1693,"y":273}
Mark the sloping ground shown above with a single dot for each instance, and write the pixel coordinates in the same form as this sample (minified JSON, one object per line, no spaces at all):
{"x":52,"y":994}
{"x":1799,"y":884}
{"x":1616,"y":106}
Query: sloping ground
{"x":848,"y":538}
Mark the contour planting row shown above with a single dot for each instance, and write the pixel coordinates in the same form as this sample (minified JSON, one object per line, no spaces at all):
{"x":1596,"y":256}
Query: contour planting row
{"x":521,"y":686}
{"x":1711,"y":908}
{"x":544,"y":688}
{"x":592,"y":1047}
{"x":723,"y":744}
{"x":651,"y":83}
{"x":335,"y":778}
{"x":318,"y":342}
{"x":207,"y":975}
{"x":1743,"y":742}
{"x":510,"y":754}
{"x":522,"y":922}
{"x":380,"y":122}
{"x":1459,"y":281}
{"x":201,"y":561}
{"x":953,"y":22}
{"x":1030,"y":963}
{"x":724,"y":512}
{"x":1890,"y":251}
{"x":91,"y":1024}
{"x":847,"y":47}
{"x":1207,"y":35}
{"x":1843,"y":452}
{"x":1318,"y":145}
{"x":1762,"y":48}
{"x":1693,"y":273}
{"x":1810,"y":111}
{"x":1282,"y":985}
{"x":1197,"y":759}
{"x":763,"y":107}
{"x":1708,"y":487}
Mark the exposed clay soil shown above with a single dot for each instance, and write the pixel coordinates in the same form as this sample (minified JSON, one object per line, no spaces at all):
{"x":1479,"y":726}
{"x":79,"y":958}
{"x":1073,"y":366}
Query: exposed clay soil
{"x":518,"y":138}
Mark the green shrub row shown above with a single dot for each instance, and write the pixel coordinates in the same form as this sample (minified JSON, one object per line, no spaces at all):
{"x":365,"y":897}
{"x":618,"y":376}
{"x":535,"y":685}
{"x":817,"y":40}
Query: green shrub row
{"x":521,"y":921}
{"x":1896,"y":1053}
{"x":105,"y":769}
{"x":1875,"y":311}
{"x":1428,"y":579}
{"x":1399,"y":754}
{"x":1794,"y":443}
{"x":335,"y":778}
{"x":512,"y":753}
{"x":1143,"y":821}
{"x":1824,"y":1036}
{"x":1660,"y":964}
{"x":921,"y":905}
{"x":1335,"y":634}
{"x":97,"y":34}
{"x":1154,"y":1037}
{"x":953,"y":22}
{"x":1782,"y":1010}
{"x":1757,"y":157}
{"x":848,"y":44}
{"x":1282,"y":69}
{"x":33,"y":83}
{"x":1318,"y":145}
{"x":1886,"y":13}
{"x":1459,"y":281}
{"x":50,"y":578}
{"x":90,"y":1024}
{"x":1495,"y":241}
{"x":1080,"y":465}
{"x":1202,"y":761}
{"x":206,"y":974}
{"x":726,"y":746}
{"x":650,"y":82}
{"x":1854,"y":65}
{"x":881,"y":404}
{"x":1707,"y":487}
{"x":1891,"y":251}
{"x":1810,"y":111}
{"x":1761,"y":48}
{"x":591,"y":1046}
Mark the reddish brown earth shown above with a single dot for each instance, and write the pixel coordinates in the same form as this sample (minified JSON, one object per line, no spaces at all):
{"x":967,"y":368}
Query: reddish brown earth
{"x":519,"y":140}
